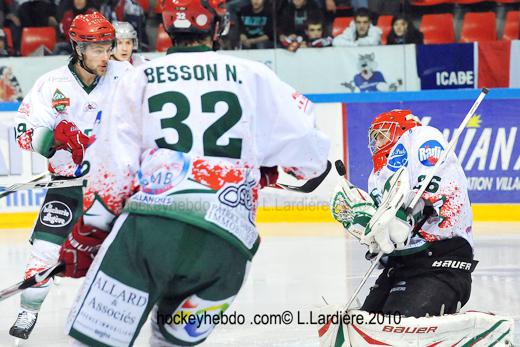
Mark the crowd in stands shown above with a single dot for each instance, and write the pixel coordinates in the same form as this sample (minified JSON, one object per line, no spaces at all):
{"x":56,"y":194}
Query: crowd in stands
{"x":256,"y":24}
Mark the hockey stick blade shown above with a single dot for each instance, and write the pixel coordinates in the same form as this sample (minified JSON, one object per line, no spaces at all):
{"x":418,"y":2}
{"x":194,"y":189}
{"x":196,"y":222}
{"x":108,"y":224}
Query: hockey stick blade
{"x":31,"y":281}
{"x":74,"y":182}
{"x":310,"y":185}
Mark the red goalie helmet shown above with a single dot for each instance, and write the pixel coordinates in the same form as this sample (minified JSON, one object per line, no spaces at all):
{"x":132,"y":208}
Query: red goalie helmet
{"x":195,"y":16}
{"x":385,"y":131}
{"x":92,"y":27}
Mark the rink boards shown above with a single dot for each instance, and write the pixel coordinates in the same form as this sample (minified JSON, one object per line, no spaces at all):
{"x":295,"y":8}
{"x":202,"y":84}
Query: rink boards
{"x":489,"y":150}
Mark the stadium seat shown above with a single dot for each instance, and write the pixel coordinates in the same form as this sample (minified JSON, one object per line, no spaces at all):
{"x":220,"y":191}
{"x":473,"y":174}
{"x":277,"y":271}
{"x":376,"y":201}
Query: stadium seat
{"x":145,"y":4}
{"x":9,"y":37}
{"x":479,"y":26}
{"x":511,"y":26}
{"x":163,"y":41}
{"x":158,"y":8}
{"x":429,"y":2}
{"x":33,"y":38}
{"x":467,"y":2}
{"x":339,"y":25}
{"x":385,"y":23}
{"x":437,"y":28}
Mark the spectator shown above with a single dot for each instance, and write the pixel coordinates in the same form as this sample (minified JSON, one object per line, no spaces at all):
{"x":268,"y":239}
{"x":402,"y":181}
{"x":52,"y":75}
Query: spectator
{"x":403,"y":32}
{"x":292,"y":22}
{"x":360,"y":32}
{"x":255,"y":25}
{"x":75,"y":7}
{"x":314,"y":36}
{"x":4,"y":52}
{"x":30,"y":13}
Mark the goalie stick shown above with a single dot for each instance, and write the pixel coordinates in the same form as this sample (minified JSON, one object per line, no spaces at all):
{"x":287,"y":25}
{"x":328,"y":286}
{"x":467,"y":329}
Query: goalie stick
{"x":310,"y":185}
{"x":409,"y":208}
{"x":31,"y":281}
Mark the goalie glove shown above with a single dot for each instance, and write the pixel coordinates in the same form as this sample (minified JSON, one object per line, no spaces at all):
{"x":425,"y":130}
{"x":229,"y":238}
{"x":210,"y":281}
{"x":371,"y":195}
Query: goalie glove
{"x":352,"y":207}
{"x":389,"y":229}
{"x":67,"y":136}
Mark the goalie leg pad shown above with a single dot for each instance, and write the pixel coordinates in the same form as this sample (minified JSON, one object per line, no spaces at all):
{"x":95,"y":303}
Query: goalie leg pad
{"x":469,"y":328}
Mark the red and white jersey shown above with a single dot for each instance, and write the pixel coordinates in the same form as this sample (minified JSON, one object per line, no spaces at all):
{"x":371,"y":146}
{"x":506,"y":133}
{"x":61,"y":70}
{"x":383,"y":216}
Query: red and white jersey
{"x":419,"y":149}
{"x":198,"y":126}
{"x":60,"y":95}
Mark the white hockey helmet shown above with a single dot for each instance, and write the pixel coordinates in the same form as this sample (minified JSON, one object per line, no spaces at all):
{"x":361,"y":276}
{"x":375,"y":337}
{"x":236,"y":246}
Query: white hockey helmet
{"x":125,"y":30}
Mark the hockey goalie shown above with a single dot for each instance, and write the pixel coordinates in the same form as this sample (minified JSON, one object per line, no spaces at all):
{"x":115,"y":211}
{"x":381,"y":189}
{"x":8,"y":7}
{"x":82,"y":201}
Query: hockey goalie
{"x":428,"y":250}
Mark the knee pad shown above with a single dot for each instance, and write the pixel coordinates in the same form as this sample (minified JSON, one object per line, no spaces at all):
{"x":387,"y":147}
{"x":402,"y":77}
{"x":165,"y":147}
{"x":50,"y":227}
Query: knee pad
{"x":176,"y":328}
{"x":44,"y":254}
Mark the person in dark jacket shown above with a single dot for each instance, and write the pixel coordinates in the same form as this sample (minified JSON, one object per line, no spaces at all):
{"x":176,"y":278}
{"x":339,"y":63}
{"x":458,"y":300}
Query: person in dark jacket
{"x":403,"y":32}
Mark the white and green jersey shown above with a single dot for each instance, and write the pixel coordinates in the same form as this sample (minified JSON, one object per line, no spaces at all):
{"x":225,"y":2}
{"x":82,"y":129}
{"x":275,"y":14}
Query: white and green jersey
{"x":419,"y":149}
{"x":199,"y":125}
{"x":60,"y":95}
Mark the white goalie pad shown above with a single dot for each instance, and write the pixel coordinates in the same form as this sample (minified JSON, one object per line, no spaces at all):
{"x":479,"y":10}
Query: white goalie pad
{"x":470,"y":328}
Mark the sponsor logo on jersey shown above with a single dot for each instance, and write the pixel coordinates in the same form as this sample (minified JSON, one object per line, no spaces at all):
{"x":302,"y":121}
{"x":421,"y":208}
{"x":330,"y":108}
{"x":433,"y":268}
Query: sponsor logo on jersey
{"x":60,"y":101}
{"x":55,"y":214}
{"x":162,"y":170}
{"x":90,"y":106}
{"x":398,"y":158}
{"x":430,"y":152}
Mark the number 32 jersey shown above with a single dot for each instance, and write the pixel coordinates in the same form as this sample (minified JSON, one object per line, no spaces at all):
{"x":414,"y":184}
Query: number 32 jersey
{"x":196,"y":127}
{"x":419,"y":149}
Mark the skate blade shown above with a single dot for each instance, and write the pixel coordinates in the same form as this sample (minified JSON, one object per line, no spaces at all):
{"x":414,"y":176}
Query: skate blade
{"x":16,"y":341}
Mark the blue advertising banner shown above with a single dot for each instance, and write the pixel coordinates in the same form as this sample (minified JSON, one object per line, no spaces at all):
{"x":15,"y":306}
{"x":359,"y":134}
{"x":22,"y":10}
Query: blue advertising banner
{"x":446,"y":66}
{"x":488,"y":148}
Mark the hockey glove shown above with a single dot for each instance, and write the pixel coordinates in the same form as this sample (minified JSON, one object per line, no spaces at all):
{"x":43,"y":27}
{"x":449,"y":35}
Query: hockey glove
{"x":352,"y":207}
{"x":67,"y":136}
{"x":268,"y":176}
{"x":78,"y":251}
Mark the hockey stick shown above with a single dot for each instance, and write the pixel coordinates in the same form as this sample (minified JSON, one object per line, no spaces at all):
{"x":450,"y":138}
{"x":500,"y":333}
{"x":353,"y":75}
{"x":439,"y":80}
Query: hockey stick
{"x":31,"y":281}
{"x":310,"y":185}
{"x":73,"y":182}
{"x":8,"y":192}
{"x":425,"y":183}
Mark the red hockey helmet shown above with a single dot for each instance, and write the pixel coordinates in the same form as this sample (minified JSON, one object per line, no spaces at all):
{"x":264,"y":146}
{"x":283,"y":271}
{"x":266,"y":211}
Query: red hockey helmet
{"x":385,"y":131}
{"x":92,"y":27}
{"x":195,"y":16}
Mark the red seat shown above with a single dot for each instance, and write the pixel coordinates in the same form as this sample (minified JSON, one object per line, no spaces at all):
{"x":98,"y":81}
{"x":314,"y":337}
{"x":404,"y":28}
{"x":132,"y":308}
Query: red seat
{"x":9,"y":37}
{"x":340,"y":24}
{"x":163,"y":41}
{"x":512,"y":26}
{"x":479,"y":26}
{"x":466,"y":2}
{"x":145,"y":4}
{"x":429,"y":2}
{"x":158,"y":8}
{"x":437,"y":28}
{"x":385,"y":23}
{"x":33,"y":38}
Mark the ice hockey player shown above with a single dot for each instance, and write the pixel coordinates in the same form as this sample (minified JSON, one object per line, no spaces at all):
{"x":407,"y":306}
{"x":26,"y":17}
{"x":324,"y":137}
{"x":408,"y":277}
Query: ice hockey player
{"x":55,"y":120}
{"x":197,"y":126}
{"x":428,"y":253}
{"x":126,"y":44}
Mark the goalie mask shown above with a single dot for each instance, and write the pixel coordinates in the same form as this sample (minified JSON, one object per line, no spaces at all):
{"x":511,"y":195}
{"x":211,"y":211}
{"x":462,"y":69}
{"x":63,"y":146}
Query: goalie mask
{"x":385,"y":131}
{"x":204,"y":17}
